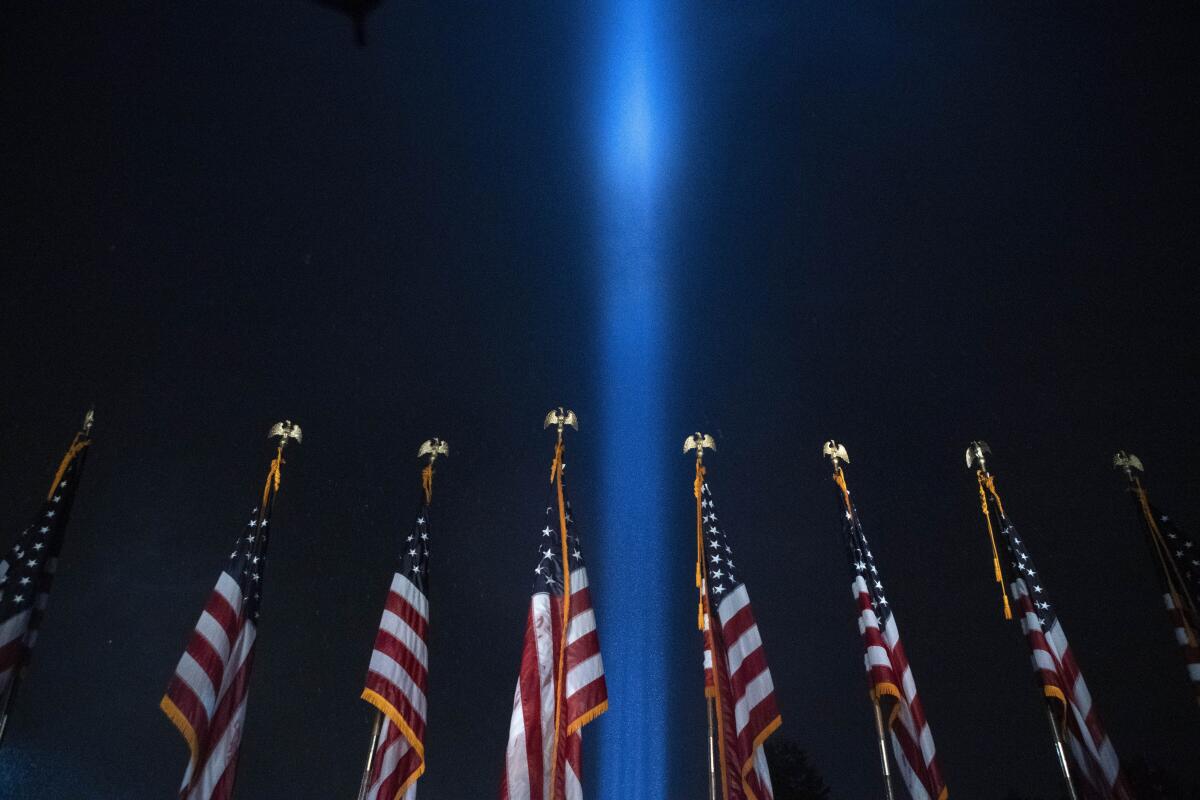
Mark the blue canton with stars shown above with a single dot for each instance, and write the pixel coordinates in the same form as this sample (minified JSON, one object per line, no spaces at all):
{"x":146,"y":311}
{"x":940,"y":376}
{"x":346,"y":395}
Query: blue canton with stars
{"x":414,"y":553}
{"x":862,"y":561}
{"x":248,"y":560}
{"x":549,"y":572}
{"x":27,"y":569}
{"x":1021,"y":564}
{"x":1184,"y":555}
{"x":718,"y":555}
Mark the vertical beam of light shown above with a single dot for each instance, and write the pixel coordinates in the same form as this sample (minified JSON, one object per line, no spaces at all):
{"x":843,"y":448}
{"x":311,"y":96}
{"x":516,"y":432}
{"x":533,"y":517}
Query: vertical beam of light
{"x":633,"y":295}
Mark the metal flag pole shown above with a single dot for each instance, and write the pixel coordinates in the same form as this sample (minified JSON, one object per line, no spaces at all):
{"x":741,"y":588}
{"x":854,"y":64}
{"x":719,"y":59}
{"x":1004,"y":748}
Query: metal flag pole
{"x":712,"y":758}
{"x":1060,"y":751}
{"x":976,"y":456}
{"x":698,"y":441}
{"x":837,"y":456}
{"x":10,"y":692}
{"x":883,"y":756}
{"x":364,"y":783}
{"x":431,"y":448}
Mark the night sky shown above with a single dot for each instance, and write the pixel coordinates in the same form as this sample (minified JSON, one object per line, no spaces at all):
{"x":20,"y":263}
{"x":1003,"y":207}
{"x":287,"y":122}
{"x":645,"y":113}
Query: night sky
{"x":901,"y":228}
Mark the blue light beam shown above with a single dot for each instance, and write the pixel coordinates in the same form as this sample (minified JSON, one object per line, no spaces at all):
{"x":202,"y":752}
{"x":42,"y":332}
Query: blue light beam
{"x":633,"y":291}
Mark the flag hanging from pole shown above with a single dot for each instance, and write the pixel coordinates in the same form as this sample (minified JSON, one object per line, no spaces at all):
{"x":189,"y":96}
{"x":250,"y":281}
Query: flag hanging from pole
{"x":27,"y":569}
{"x":398,"y":676}
{"x":560,"y":686}
{"x":1177,"y":559}
{"x":737,"y":677}
{"x":206,"y":698}
{"x":889,"y":673}
{"x":1096,"y":768}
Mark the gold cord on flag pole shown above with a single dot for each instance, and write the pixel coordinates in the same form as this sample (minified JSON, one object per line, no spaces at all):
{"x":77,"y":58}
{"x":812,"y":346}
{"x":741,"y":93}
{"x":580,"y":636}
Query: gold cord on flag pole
{"x":82,"y":439}
{"x":560,"y":418}
{"x":987,"y":516}
{"x":285,"y":430}
{"x":975,"y":456}
{"x":433,"y":448}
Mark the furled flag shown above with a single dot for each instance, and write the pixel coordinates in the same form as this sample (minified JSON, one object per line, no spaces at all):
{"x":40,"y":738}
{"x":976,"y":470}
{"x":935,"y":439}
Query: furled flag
{"x":736,"y":674}
{"x":560,"y":686}
{"x":398,"y":675}
{"x":206,"y":698}
{"x":27,"y":569}
{"x":888,"y":670}
{"x":1096,"y":769}
{"x":1177,"y":557}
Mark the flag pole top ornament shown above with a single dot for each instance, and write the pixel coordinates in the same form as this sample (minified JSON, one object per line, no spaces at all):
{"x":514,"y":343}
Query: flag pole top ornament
{"x":561,"y":418}
{"x":433,"y":448}
{"x":837,"y":454}
{"x":1127,"y":462}
{"x":285,"y":430}
{"x":975,"y":456}
{"x":699,"y":441}
{"x":88,"y":419}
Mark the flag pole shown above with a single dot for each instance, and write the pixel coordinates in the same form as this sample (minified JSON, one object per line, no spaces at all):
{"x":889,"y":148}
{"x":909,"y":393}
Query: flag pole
{"x":698,"y":442}
{"x":976,"y":457}
{"x":364,"y":783}
{"x":837,"y":456}
{"x":431,"y":448}
{"x":10,"y":692}
{"x":712,"y":761}
{"x":883,"y":756}
{"x":1060,"y":751}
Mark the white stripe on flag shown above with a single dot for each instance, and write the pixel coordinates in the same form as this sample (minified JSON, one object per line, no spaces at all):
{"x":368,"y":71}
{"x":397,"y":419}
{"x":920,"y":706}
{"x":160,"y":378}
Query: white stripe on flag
{"x":190,"y":672}
{"x":756,"y":691}
{"x":734,"y":602}
{"x":409,"y":591}
{"x":211,"y":630}
{"x":584,"y":673}
{"x":516,"y":761}
{"x":745,"y":645}
{"x":581,"y":625}
{"x":228,"y":588}
{"x":395,"y":674}
{"x":406,"y":635}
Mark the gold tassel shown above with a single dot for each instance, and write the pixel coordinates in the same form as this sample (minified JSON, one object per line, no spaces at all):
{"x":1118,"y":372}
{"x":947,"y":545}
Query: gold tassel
{"x":987,"y":516}
{"x":427,"y":482}
{"x":273,"y":476}
{"x":77,"y":444}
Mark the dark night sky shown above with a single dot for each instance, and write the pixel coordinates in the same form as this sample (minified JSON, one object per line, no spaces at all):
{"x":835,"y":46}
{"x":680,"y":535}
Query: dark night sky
{"x":901,"y":228}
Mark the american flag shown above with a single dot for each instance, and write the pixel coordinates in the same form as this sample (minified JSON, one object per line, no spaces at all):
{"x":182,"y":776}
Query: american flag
{"x":398,"y":676}
{"x":27,"y":569}
{"x":888,"y":670}
{"x":736,"y":672}
{"x":543,"y":758}
{"x":1096,"y":769}
{"x":1178,"y":559}
{"x":206,"y":698}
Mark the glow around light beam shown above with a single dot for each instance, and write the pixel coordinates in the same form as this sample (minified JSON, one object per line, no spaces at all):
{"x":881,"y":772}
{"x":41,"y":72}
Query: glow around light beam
{"x":633,"y":291}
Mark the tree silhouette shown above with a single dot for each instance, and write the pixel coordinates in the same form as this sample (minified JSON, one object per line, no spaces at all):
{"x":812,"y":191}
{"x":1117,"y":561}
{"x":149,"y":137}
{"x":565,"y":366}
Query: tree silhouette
{"x":792,"y":776}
